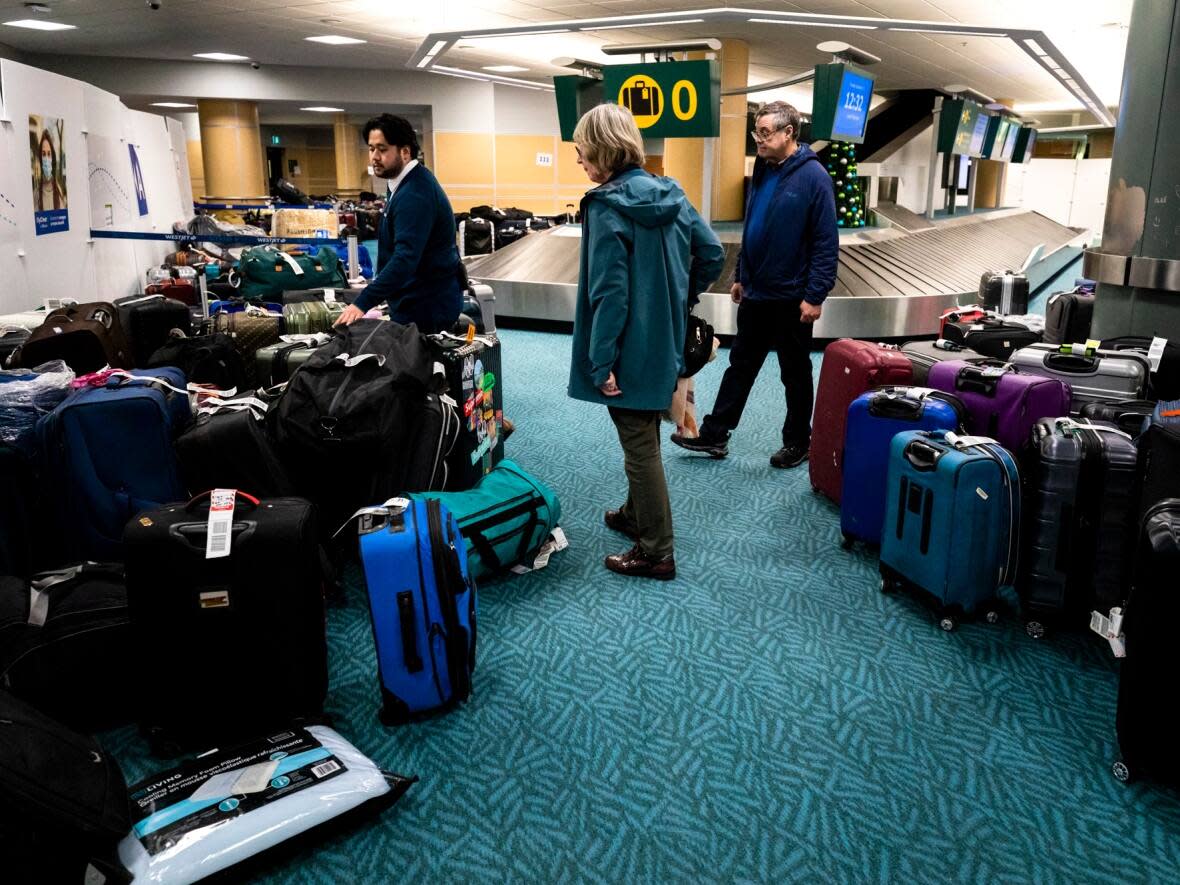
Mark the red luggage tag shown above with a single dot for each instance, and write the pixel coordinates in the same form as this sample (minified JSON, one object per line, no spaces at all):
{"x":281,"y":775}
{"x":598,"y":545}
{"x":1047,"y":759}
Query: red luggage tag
{"x":221,"y":521}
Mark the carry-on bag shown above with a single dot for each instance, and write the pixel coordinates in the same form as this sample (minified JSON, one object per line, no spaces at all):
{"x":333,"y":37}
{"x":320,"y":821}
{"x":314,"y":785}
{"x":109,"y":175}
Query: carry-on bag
{"x":23,"y":540}
{"x":204,"y":359}
{"x":1068,"y":316}
{"x":227,"y":448}
{"x":1093,"y":375}
{"x":477,"y":236}
{"x":1159,"y":456}
{"x":108,"y":454}
{"x":322,"y":294}
{"x":86,"y":337}
{"x":276,"y":363}
{"x":924,"y":354}
{"x":1147,"y":743}
{"x":268,"y":272}
{"x":874,"y":418}
{"x":357,"y":401}
{"x":439,"y":428}
{"x":183,"y":290}
{"x":1162,"y":355}
{"x":423,"y":603}
{"x":65,"y":644}
{"x":148,"y":321}
{"x":970,"y":313}
{"x":991,"y":336}
{"x":1081,"y":493}
{"x":310,"y":317}
{"x":505,"y":520}
{"x":849,"y":368}
{"x":474,"y":371}
{"x":243,"y":808}
{"x":952,"y":524}
{"x":250,"y":330}
{"x":230,"y":602}
{"x":1130,"y":416}
{"x":1006,"y":293}
{"x":1002,"y":403}
{"x":63,"y":801}
{"x":12,"y":339}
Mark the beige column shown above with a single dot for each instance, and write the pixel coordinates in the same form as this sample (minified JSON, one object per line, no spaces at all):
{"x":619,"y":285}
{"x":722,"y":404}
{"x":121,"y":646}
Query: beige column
{"x":350,"y":156}
{"x":231,"y":148}
{"x":989,"y":177}
{"x":729,"y":164}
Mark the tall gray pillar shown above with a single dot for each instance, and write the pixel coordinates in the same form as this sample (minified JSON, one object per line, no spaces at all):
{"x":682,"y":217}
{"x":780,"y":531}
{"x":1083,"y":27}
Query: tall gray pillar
{"x":1138,"y":264}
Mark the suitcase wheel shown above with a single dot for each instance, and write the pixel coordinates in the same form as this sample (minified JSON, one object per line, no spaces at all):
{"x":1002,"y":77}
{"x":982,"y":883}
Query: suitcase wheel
{"x":992,"y":616}
{"x":1121,"y":772}
{"x":948,"y":623}
{"x":890,"y":585}
{"x":1035,"y":629}
{"x":847,"y":542}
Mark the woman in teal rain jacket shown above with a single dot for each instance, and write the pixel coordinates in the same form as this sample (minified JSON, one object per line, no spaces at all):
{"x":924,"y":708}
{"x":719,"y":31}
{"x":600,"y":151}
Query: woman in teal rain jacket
{"x":646,"y":256}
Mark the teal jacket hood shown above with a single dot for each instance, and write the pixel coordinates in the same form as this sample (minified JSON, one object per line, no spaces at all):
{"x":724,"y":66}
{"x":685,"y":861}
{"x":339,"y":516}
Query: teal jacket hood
{"x":645,"y":199}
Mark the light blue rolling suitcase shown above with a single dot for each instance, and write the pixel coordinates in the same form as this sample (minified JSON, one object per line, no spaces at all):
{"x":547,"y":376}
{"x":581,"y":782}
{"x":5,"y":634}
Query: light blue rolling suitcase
{"x":952,"y":521}
{"x":422,"y":600}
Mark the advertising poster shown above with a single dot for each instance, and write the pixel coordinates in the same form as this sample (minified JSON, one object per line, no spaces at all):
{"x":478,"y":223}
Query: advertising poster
{"x":48,"y":160}
{"x":137,"y":177}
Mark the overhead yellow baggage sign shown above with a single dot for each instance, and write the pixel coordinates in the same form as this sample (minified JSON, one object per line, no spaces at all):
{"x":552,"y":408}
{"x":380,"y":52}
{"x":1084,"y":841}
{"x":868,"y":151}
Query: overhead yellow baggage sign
{"x":672,"y":99}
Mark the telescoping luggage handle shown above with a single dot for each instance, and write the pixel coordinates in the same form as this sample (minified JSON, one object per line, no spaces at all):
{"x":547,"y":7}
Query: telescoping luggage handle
{"x":908,"y":403}
{"x":983,"y":377}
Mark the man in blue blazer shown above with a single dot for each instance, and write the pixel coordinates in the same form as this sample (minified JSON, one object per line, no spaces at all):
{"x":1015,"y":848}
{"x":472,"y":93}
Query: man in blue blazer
{"x":418,"y":268}
{"x":786,"y":267}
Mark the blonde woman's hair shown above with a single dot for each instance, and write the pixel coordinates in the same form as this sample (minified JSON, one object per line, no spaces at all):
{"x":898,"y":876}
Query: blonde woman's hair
{"x":609,"y":139}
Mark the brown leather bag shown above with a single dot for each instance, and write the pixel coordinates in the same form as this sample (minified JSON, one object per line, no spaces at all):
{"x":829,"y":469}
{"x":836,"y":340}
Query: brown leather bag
{"x":250,"y":332}
{"x":86,"y":336}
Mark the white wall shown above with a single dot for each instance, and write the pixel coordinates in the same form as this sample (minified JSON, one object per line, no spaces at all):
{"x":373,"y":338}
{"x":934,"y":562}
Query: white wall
{"x":909,"y":165}
{"x":100,"y":190}
{"x":525,"y":112}
{"x":1071,"y":192}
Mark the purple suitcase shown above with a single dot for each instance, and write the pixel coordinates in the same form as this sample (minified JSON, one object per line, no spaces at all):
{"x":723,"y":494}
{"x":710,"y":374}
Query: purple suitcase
{"x":1001,"y":402}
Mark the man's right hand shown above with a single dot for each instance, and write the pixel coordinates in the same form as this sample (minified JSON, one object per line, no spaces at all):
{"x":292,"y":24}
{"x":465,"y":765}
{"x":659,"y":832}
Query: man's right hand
{"x":349,"y":315}
{"x":735,"y":293}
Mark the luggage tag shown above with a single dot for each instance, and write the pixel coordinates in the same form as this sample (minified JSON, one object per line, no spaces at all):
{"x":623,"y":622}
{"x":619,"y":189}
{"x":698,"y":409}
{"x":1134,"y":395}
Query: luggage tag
{"x":221,"y":519}
{"x":329,"y":296}
{"x":1111,"y":629}
{"x":373,"y":519}
{"x":556,"y":542}
{"x":291,"y":261}
{"x":1155,"y":353}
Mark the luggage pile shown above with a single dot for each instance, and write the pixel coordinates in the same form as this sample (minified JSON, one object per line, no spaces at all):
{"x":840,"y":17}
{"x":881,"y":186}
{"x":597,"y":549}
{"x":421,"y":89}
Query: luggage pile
{"x":484,"y":229}
{"x":155,"y":495}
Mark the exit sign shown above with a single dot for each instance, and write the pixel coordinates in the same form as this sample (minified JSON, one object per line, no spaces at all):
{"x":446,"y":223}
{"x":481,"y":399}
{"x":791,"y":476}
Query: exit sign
{"x":276,"y":139}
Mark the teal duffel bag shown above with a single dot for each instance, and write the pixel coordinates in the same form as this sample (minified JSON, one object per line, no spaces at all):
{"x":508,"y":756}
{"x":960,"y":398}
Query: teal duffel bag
{"x":505,"y":520}
{"x":267,"y":273}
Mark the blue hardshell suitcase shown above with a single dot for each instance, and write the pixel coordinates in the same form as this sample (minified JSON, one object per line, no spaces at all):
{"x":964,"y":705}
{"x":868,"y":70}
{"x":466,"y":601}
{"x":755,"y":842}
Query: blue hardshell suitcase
{"x":874,"y":418}
{"x":423,"y":604}
{"x":108,"y":455}
{"x":952,"y":520}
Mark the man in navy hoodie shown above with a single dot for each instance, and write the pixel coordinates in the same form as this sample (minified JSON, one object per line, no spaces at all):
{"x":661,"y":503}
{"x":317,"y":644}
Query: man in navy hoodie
{"x":418,"y":268}
{"x":786,"y":267}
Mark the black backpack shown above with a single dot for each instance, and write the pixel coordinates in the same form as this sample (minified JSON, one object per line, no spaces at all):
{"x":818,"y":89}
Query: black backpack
{"x":63,"y":800}
{"x":287,"y":192}
{"x":356,"y":403}
{"x":204,"y":359}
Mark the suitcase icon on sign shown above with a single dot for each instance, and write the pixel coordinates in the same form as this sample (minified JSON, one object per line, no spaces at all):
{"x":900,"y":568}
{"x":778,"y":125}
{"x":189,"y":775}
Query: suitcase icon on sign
{"x":642,"y":100}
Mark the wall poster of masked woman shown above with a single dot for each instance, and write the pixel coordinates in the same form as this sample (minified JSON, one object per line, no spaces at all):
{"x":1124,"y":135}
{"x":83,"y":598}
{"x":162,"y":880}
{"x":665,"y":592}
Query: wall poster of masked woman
{"x":48,"y":157}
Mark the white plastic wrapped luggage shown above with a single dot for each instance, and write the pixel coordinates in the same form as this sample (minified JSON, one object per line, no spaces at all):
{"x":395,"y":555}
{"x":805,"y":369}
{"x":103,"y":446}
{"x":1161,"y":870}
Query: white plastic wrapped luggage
{"x":229,"y":806}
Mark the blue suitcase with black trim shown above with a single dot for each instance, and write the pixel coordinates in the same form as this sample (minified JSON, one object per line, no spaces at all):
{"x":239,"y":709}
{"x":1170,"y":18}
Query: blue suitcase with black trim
{"x":874,"y":418}
{"x":108,"y":455}
{"x":422,"y":600}
{"x":952,"y":520}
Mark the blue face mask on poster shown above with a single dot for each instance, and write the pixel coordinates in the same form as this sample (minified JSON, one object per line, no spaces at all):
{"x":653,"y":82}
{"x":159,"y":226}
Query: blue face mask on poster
{"x":46,"y":167}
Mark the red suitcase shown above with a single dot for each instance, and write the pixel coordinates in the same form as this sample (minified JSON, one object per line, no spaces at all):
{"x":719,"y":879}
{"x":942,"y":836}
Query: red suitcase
{"x":181,"y":290}
{"x":969,"y":314}
{"x":849,"y":369}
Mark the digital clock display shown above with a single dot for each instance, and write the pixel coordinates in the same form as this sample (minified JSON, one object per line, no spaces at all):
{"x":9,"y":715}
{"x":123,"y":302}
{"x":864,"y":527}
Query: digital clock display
{"x":852,"y":108}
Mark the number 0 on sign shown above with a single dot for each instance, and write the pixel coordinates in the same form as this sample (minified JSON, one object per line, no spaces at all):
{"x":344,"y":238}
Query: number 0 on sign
{"x":684,"y":100}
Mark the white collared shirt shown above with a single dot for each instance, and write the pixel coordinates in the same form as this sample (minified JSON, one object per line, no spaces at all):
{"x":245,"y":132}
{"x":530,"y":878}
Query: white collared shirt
{"x":396,"y":181}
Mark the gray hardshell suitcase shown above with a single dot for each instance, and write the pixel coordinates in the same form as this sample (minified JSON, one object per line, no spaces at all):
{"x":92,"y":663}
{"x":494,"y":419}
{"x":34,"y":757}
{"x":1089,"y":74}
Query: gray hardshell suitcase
{"x":1094,"y":376}
{"x":924,"y":354}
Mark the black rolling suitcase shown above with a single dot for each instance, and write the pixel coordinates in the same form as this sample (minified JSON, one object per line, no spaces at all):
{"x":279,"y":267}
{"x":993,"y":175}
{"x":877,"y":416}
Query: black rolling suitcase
{"x":236,"y":643}
{"x":1163,"y":381}
{"x":474,"y":382}
{"x":65,"y":644}
{"x":1005,"y":293}
{"x":1068,"y":316}
{"x":429,"y":460}
{"x":991,"y":337}
{"x":63,"y":801}
{"x":1128,"y":415}
{"x":1080,"y":498}
{"x":227,"y":448}
{"x":11,"y":340}
{"x":148,"y":321}
{"x":21,"y":500}
{"x":1147,"y":680}
{"x":1159,"y":462}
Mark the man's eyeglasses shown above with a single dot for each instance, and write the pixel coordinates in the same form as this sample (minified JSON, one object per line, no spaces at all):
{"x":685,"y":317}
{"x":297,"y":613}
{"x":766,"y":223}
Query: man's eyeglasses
{"x":761,"y":135}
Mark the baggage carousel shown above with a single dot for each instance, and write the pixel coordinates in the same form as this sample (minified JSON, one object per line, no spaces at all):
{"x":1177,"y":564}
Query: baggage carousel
{"x":891,"y":283}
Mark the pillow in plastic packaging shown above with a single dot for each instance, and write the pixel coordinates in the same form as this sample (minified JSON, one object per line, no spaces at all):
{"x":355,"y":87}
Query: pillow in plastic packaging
{"x":26,"y":395}
{"x":228,"y":807}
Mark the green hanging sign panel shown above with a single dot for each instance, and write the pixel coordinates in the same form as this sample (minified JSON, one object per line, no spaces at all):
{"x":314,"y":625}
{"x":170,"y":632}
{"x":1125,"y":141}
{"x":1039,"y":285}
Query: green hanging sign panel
{"x":672,"y":99}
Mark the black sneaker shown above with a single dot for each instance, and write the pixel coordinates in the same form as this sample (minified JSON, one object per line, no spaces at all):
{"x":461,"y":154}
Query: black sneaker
{"x":789,"y":456}
{"x":714,"y":448}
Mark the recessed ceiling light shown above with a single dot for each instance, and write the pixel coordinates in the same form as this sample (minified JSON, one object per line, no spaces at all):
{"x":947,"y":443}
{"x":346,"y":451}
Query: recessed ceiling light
{"x":323,"y":110}
{"x":171,"y":104}
{"x":334,"y":40}
{"x":37,"y":25}
{"x":221,"y":56}
{"x":505,"y":69}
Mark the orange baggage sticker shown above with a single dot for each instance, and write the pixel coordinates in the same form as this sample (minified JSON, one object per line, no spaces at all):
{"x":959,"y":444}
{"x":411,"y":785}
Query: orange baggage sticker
{"x":470,"y":334}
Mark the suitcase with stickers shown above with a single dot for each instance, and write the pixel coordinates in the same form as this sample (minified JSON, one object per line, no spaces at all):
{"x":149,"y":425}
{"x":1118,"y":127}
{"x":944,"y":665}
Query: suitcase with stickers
{"x":237,"y":641}
{"x":475,"y":383}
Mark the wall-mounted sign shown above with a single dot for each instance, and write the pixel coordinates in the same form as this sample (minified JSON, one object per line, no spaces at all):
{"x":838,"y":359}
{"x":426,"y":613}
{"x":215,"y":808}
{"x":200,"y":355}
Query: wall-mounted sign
{"x":674,"y":99}
{"x":50,"y":196}
{"x":841,"y":96}
{"x":997,"y":136}
{"x":1026,"y":140}
{"x":960,"y":130}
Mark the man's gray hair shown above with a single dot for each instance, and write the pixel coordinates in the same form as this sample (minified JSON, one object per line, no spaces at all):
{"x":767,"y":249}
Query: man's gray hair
{"x":783,"y":114}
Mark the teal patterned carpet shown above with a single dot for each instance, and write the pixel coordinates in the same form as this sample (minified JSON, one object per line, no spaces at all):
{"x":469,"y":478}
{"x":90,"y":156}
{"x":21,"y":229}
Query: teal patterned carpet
{"x":769,"y":716}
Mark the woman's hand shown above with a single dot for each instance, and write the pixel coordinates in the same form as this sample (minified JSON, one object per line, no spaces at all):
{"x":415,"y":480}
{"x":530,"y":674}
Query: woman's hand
{"x":611,"y":387}
{"x":348,"y":316}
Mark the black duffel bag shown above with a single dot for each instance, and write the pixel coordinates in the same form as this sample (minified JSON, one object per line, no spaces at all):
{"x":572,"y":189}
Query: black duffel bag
{"x":204,"y":359}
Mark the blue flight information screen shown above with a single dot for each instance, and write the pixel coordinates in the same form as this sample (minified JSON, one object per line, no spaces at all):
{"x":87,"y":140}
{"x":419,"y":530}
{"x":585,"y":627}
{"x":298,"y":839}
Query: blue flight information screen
{"x":852,"y":108}
{"x":978,"y":135}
